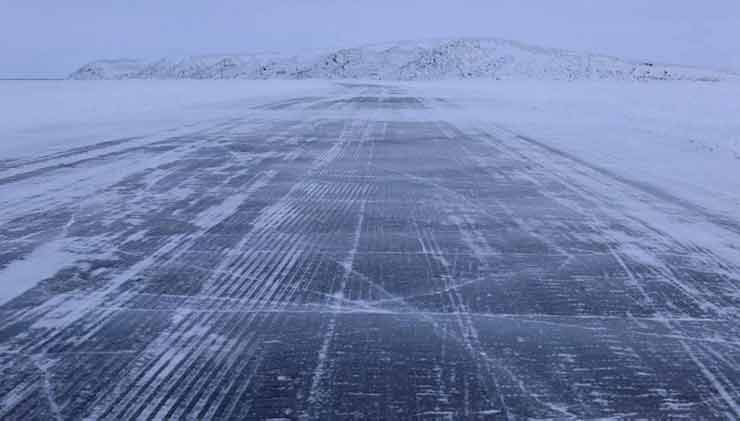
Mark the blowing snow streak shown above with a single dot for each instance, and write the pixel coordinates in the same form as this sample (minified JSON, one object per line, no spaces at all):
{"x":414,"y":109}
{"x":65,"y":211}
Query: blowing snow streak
{"x":334,"y":258}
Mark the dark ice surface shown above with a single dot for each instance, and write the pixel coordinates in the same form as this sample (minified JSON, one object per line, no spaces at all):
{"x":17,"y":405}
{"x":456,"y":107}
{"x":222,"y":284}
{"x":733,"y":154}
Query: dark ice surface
{"x":330,"y":258}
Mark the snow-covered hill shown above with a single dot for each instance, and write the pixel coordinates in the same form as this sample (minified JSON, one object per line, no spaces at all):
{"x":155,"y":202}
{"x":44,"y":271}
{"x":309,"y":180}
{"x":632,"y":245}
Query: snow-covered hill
{"x":425,"y":60}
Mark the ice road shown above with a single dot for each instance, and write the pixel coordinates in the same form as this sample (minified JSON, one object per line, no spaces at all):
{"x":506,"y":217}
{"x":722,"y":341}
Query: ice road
{"x":358,"y":255}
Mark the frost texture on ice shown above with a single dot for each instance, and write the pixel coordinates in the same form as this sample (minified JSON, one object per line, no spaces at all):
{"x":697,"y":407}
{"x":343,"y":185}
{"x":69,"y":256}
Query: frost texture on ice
{"x":313,"y":250}
{"x":425,"y":60}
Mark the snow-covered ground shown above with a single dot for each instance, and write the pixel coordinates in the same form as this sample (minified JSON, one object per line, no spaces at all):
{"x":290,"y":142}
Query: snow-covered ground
{"x":441,"y":59}
{"x":681,"y":136}
{"x":39,"y":116}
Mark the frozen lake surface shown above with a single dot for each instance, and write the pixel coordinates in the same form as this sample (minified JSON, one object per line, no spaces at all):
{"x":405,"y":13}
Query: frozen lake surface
{"x":384,"y":251}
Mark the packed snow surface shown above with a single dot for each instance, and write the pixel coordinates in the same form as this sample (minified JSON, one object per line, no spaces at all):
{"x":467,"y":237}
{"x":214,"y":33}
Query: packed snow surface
{"x":424,"y":60}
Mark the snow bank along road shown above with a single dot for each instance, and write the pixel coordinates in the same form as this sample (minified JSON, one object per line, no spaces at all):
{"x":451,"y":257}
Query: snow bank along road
{"x":358,"y":255}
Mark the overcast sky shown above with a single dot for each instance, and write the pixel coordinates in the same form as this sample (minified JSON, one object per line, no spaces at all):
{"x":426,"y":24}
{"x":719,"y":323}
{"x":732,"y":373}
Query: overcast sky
{"x":51,"y":38}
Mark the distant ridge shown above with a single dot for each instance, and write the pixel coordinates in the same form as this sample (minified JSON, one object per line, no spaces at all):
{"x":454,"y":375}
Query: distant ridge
{"x":407,"y":60}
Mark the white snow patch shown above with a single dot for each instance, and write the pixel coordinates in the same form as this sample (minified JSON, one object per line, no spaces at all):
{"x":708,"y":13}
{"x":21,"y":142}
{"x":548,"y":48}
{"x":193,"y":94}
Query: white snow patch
{"x":647,"y":132}
{"x":23,"y":274}
{"x":40,"y":117}
{"x":231,"y":204}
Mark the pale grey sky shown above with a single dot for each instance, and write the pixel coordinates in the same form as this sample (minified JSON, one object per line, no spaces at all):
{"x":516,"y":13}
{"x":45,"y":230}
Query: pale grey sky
{"x":51,"y":38}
